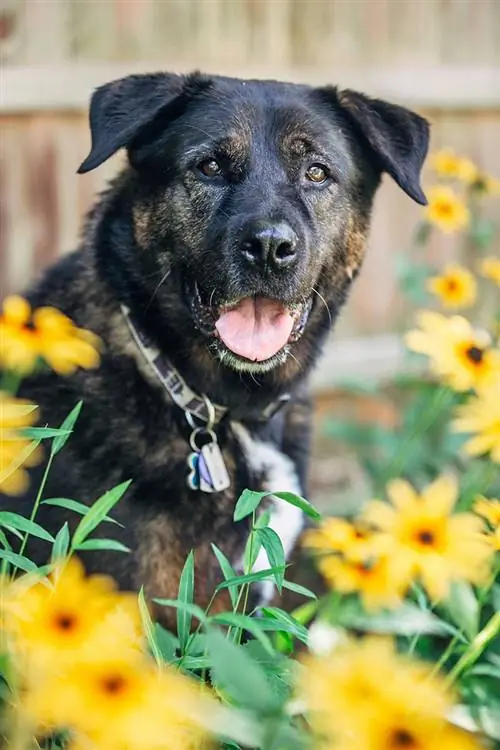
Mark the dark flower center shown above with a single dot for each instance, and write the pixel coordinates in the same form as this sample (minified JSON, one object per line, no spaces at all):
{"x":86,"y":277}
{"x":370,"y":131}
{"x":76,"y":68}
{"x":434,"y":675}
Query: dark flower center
{"x":452,"y":285}
{"x":475,"y":354}
{"x":426,"y":537}
{"x":114,"y":684}
{"x":401,"y":738}
{"x":65,"y":621}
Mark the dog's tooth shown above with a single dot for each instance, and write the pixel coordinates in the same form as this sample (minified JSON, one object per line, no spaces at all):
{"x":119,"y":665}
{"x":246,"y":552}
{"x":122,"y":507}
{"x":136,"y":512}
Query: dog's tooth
{"x":350,"y":272}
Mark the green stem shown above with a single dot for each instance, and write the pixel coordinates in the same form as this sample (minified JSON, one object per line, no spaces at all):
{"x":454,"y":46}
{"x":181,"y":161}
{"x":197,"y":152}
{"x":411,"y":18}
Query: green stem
{"x":427,"y":417}
{"x":490,"y":631}
{"x":38,"y":500}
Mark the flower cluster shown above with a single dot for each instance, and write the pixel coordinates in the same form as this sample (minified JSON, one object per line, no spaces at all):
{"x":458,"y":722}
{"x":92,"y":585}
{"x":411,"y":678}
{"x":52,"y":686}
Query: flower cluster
{"x":46,"y":334}
{"x":365,"y":696}
{"x":447,"y":209}
{"x":80,"y":653}
{"x":16,"y":451}
{"x":413,"y":538}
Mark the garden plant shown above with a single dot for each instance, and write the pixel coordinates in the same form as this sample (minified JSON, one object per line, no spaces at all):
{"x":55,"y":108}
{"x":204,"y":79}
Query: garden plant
{"x":403,"y":653}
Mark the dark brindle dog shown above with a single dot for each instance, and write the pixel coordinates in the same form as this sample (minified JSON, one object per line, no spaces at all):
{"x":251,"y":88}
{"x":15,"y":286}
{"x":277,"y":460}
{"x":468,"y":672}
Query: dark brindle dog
{"x":218,"y":259}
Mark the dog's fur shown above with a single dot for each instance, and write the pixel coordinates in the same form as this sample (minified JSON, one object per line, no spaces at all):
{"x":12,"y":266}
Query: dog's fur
{"x":163,"y":226}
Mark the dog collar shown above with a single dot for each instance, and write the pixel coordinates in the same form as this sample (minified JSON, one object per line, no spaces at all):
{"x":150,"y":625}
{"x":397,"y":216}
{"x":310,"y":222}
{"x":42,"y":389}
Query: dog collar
{"x":199,"y":407}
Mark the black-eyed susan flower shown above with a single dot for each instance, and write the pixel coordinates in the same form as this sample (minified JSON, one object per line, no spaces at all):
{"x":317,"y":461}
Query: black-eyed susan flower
{"x":120,"y":703}
{"x":16,"y":451}
{"x":433,"y":544}
{"x":365,"y":696}
{"x":27,"y":336}
{"x":456,"y":287}
{"x":460,"y":356}
{"x":53,"y":623}
{"x":490,"y":268}
{"x":448,"y":164}
{"x":480,"y":416}
{"x":446,"y":210}
{"x":353,"y":560}
{"x":18,"y":340}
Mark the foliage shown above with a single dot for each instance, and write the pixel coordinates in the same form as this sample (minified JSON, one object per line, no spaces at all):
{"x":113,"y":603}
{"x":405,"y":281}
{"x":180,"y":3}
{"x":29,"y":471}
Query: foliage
{"x":84,"y":666}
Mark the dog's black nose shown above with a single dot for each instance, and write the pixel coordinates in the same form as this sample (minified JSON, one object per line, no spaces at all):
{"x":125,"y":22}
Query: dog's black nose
{"x":270,"y":245}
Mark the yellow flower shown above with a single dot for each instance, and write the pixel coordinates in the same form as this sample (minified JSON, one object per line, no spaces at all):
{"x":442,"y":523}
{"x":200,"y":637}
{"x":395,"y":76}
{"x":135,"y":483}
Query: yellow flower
{"x":456,"y":287}
{"x":448,"y":164}
{"x":364,"y":696}
{"x":427,"y":540}
{"x":488,"y":509}
{"x":26,"y":336}
{"x":18,"y":340}
{"x":481,"y":415}
{"x":460,"y":356}
{"x":16,"y":451}
{"x":446,"y":210}
{"x":352,"y":559}
{"x":52,"y":623}
{"x":490,"y":268}
{"x":64,"y":346}
{"x":120,"y":703}
{"x":467,"y":171}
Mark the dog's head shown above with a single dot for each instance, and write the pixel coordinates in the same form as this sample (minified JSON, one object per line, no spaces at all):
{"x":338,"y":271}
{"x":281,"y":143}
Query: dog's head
{"x":252,"y":201}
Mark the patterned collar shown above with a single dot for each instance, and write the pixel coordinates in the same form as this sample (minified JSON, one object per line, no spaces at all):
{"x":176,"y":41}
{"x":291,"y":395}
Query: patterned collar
{"x":194,"y":405}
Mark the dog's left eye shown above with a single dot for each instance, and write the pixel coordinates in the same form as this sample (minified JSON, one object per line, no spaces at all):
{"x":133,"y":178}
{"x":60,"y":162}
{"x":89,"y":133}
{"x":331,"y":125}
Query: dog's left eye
{"x":210,"y":168}
{"x":317,"y":173}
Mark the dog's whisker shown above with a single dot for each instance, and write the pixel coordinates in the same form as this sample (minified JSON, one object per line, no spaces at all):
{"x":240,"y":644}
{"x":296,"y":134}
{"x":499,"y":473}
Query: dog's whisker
{"x":157,"y":288}
{"x":290,"y":354}
{"x":211,"y":297}
{"x":324,"y":302}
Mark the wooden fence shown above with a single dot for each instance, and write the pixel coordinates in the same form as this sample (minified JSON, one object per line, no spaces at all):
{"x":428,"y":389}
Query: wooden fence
{"x":441,"y":57}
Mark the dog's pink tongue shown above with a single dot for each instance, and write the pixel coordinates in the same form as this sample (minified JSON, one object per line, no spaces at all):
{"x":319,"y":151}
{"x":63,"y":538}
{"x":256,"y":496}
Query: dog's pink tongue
{"x":256,"y":328}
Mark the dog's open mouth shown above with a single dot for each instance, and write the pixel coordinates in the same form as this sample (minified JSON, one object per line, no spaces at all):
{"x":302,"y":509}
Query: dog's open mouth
{"x":255,"y":328}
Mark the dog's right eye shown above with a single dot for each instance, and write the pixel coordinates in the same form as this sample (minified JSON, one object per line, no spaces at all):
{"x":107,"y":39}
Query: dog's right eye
{"x":210,"y":168}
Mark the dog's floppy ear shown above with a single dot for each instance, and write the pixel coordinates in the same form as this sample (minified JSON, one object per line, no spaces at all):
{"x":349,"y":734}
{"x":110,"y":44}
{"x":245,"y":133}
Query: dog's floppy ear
{"x":398,"y":138}
{"x":122,"y":109}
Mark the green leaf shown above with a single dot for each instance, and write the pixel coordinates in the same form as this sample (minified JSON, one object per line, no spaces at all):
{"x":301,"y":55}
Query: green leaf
{"x":248,"y":501}
{"x":190,"y":609}
{"x":463,"y":608}
{"x":98,"y":511}
{"x":4,"y":541}
{"x":227,"y":572}
{"x":236,"y":673}
{"x":147,"y":624}
{"x":405,"y":620}
{"x":166,"y":642}
{"x":263,"y":519}
{"x":244,"y":622}
{"x":252,"y":549}
{"x":43,"y":433}
{"x":68,"y":424}
{"x":299,"y":502}
{"x":75,"y":506}
{"x":185,"y":596}
{"x":283,"y":618}
{"x":298,"y":589}
{"x":275,"y":552}
{"x":18,"y":561}
{"x":101,"y":544}
{"x":61,"y":543}
{"x":15,"y":521}
{"x":260,"y":575}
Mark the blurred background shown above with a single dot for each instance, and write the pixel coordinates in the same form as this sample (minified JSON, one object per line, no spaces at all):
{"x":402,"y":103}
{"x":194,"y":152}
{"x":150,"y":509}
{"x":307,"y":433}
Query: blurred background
{"x":439,"y":57}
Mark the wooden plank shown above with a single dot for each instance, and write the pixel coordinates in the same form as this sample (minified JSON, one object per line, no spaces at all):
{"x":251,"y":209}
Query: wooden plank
{"x":27,"y":89}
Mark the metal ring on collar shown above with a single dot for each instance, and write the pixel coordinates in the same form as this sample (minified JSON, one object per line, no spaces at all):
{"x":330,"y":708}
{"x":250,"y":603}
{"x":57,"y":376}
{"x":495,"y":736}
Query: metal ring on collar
{"x":198,"y":431}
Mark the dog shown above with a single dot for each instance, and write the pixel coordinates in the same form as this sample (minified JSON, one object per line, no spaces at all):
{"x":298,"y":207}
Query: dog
{"x":212,"y":268}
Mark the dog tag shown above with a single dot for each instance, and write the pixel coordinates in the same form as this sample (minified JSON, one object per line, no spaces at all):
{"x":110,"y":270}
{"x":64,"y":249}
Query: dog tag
{"x":208,"y":471}
{"x":215,"y":478}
